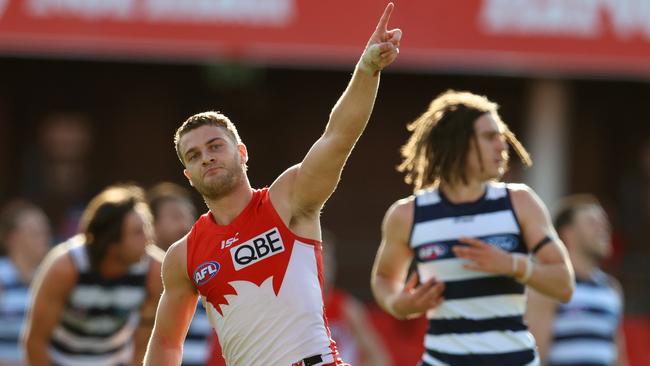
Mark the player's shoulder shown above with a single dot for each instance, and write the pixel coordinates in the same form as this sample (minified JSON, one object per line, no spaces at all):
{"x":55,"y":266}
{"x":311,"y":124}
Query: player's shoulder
{"x":400,"y":212}
{"x":614,"y":283}
{"x":402,"y":206}
{"x":59,"y":259}
{"x":523,"y":196}
{"x":518,"y":188}
{"x":176,"y":255}
{"x":58,"y":267}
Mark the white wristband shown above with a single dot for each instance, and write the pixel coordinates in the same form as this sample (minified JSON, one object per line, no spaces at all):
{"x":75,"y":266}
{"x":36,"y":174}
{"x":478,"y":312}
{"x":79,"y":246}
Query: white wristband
{"x":366,"y":63}
{"x":529,"y":271}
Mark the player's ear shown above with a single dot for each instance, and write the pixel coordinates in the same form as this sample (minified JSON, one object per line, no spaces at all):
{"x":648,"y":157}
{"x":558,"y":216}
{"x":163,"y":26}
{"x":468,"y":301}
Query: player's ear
{"x":243,"y":153}
{"x":187,"y":175}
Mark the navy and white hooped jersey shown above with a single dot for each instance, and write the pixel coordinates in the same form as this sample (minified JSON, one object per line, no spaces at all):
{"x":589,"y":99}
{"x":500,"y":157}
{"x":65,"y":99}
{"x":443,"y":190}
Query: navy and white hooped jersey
{"x":100,"y":316}
{"x":14,"y":301}
{"x":585,"y":327}
{"x":195,"y":348}
{"x":480,"y":321}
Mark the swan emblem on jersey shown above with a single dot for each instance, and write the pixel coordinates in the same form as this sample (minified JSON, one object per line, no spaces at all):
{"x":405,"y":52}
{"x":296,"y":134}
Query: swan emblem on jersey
{"x":205,"y":272}
{"x":256,"y":263}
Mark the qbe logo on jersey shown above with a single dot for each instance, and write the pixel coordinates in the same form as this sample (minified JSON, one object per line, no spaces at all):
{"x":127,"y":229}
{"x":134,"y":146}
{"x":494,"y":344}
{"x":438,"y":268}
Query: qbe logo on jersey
{"x":258,"y":248}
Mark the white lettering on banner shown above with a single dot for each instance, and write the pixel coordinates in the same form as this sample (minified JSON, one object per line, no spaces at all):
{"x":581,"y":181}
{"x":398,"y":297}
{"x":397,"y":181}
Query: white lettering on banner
{"x":84,"y":9}
{"x":629,"y":16}
{"x":3,"y":7}
{"x":249,"y":12}
{"x":254,"y":12}
{"x":577,"y":18}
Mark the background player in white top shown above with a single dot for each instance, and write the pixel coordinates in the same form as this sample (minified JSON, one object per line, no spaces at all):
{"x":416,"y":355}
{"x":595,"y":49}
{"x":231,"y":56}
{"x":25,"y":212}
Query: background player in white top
{"x":588,"y":329}
{"x":458,"y":147}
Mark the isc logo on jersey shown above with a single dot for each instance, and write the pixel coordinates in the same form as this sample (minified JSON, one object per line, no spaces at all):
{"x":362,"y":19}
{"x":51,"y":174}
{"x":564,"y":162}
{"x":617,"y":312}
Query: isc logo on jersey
{"x":257,"y":249}
{"x":205,"y":272}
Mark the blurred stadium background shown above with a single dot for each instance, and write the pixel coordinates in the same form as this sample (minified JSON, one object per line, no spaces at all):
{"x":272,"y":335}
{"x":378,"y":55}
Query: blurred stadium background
{"x":572,"y":78}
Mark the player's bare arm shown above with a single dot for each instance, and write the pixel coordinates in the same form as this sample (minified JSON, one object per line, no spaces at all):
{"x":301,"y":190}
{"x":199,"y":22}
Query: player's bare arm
{"x":148,"y":309}
{"x":401,"y":299}
{"x":540,"y":317}
{"x":303,"y":189}
{"x":175,"y":309}
{"x":550,"y":273}
{"x":619,"y":337}
{"x":52,"y":285}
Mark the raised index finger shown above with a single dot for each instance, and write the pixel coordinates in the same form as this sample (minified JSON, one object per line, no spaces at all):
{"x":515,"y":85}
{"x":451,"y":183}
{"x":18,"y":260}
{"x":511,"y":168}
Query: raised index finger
{"x":383,"y":22}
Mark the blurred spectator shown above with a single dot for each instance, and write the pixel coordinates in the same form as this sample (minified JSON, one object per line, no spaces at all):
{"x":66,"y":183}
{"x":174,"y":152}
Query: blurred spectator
{"x":24,"y":240}
{"x":95,"y":296}
{"x":173,"y":212}
{"x":55,"y":174}
{"x":634,"y":220}
{"x":588,"y":329}
{"x":356,"y":339}
{"x":173,"y":217}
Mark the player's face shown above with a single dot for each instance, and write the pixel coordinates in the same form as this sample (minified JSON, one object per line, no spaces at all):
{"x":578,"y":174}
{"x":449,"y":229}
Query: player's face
{"x":135,"y":236}
{"x":214,"y":163}
{"x":488,"y":154}
{"x":175,"y":218}
{"x":32,"y":235}
{"x":593,"y":231}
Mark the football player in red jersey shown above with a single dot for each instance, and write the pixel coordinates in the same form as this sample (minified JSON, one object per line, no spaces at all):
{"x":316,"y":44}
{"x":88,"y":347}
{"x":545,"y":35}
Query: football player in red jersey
{"x":255,"y":257}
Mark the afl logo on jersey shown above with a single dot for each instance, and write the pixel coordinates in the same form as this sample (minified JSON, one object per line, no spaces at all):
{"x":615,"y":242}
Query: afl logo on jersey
{"x":205,"y":272}
{"x":431,"y":251}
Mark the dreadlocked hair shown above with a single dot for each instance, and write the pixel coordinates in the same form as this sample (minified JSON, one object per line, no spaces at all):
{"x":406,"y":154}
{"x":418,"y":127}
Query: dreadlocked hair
{"x":439,"y":143}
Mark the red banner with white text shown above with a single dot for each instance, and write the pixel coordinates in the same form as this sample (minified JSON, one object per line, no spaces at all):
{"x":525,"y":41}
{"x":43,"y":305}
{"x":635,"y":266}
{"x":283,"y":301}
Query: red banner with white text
{"x":517,"y":36}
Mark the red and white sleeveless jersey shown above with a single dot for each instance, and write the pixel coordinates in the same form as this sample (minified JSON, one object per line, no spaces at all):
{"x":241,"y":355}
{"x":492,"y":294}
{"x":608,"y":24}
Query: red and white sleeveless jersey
{"x":262,"y":287}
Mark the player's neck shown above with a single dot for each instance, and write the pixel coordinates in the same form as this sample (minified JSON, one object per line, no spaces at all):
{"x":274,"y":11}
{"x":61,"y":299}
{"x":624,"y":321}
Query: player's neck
{"x":225,"y":209}
{"x":582,"y":266}
{"x":112,"y":267}
{"x":25,"y":267}
{"x":460,"y":192}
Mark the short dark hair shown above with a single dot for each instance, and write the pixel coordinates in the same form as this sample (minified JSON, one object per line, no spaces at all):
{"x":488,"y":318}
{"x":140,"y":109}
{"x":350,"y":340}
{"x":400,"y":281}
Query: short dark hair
{"x":569,"y":206}
{"x":164,"y":192}
{"x":103,"y":218}
{"x":210,"y":118}
{"x":439,"y":143}
{"x":10,"y":215}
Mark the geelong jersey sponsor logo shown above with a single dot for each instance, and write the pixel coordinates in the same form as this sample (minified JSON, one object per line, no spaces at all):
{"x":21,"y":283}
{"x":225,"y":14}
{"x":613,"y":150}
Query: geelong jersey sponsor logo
{"x":257,"y":249}
{"x":431,"y":251}
{"x":504,"y":242}
{"x":205,"y":272}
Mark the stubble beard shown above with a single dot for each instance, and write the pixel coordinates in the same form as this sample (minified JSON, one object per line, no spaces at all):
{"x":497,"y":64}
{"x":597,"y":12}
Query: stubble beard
{"x":220,"y":187}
